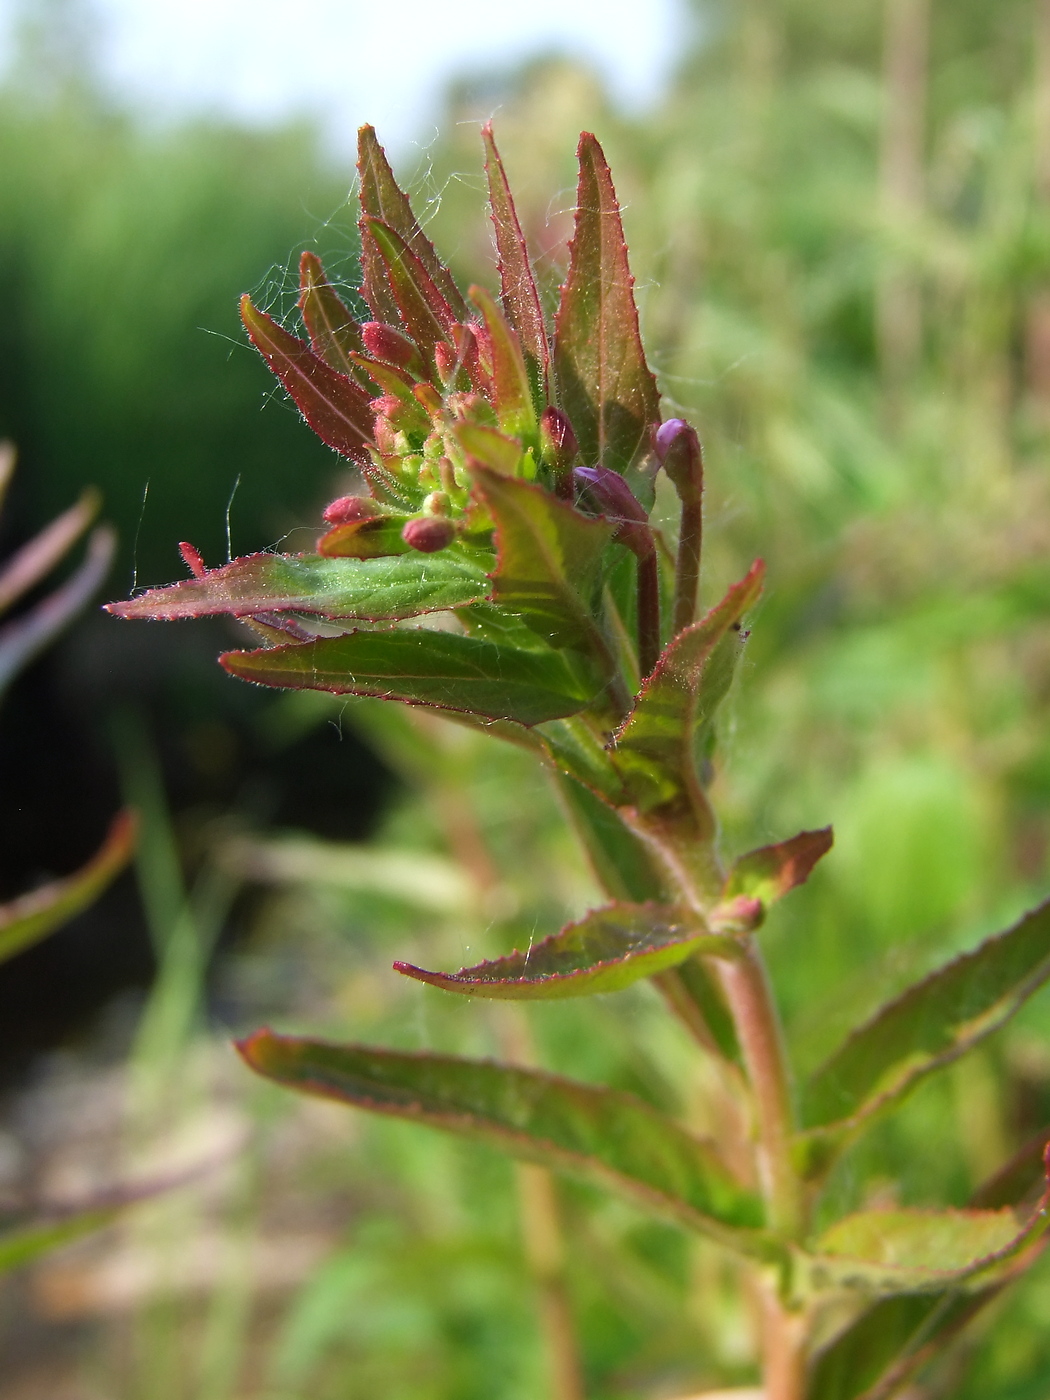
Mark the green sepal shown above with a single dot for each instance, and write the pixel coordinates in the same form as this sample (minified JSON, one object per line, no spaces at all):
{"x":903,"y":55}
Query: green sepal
{"x":607,"y":950}
{"x":511,"y":391}
{"x":382,"y":198}
{"x":601,"y":1134}
{"x":604,"y":383}
{"x":367,"y":590}
{"x":423,"y":667}
{"x":31,"y":917}
{"x":929,"y":1026}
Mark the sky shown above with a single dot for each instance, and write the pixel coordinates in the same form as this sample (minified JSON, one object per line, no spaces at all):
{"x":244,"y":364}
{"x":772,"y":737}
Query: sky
{"x":349,"y":61}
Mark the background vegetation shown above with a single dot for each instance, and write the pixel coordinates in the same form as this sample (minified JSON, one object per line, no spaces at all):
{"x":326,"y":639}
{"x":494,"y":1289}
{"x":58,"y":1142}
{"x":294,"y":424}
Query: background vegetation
{"x":840,"y":222}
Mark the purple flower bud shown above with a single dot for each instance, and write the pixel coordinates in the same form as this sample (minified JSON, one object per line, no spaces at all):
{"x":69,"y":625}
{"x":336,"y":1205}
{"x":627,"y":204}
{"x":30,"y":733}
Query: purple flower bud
{"x":678,"y":450}
{"x":428,"y":533}
{"x":349,"y":508}
{"x":607,"y":492}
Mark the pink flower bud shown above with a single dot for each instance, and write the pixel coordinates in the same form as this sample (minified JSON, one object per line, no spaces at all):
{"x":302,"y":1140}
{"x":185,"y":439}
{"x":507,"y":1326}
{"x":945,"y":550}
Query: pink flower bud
{"x":384,"y":343}
{"x":349,"y":508}
{"x":428,"y":533}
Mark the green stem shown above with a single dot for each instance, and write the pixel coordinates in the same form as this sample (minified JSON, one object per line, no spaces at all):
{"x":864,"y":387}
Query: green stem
{"x":758,"y":1029}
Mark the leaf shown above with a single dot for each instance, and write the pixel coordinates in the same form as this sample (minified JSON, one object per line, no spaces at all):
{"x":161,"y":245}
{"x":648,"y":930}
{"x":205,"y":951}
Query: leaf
{"x":921,"y":1251}
{"x":31,"y":917}
{"x":929,"y":1026}
{"x":548,"y":557}
{"x":607,"y":950}
{"x":773,"y":871}
{"x":426,"y":668}
{"x":426,"y":314}
{"x":622,"y":864}
{"x":369,"y":590}
{"x":333,"y":405}
{"x":29,"y":634}
{"x":376,"y":537}
{"x":604,"y":1135}
{"x":381,"y":198}
{"x":28,"y":565}
{"x":575,"y":749}
{"x":334,"y":334}
{"x":521,"y":299}
{"x":486,"y":447}
{"x":604,"y":383}
{"x":654,"y":750}
{"x":511,"y":391}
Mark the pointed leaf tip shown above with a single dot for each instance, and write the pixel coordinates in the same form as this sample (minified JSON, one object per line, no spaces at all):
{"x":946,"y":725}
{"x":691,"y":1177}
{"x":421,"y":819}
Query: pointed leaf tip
{"x":773,"y":871}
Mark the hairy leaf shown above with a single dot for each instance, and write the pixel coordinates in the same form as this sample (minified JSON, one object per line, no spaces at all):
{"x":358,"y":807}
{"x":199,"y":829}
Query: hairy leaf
{"x":334,"y":406}
{"x":381,"y":198}
{"x":334,"y":334}
{"x":607,"y":950}
{"x":773,"y":871}
{"x":369,"y":590}
{"x":607,"y":1136}
{"x":426,"y":314}
{"x":604,"y":383}
{"x":426,"y":668}
{"x":376,"y":537}
{"x":521,"y":299}
{"x":921,"y":1251}
{"x":548,"y":558}
{"x":512,"y":393}
{"x":654,"y":750}
{"x":31,"y":917}
{"x":487,"y":447}
{"x":930,"y":1025}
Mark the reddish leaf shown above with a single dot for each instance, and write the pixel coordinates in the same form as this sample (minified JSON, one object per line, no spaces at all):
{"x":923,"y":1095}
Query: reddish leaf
{"x":772,"y":871}
{"x":334,"y":334}
{"x":607,"y":950}
{"x":336,"y":409}
{"x":381,"y":198}
{"x":422,"y":308}
{"x":521,"y":299}
{"x":604,"y":383}
{"x":512,"y":396}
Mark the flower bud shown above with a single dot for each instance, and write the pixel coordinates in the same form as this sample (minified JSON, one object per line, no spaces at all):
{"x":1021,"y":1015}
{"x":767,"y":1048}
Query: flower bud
{"x":428,"y":533}
{"x":347,"y":509}
{"x":738,"y":916}
{"x":679,"y":453}
{"x":437,"y":503}
{"x":558,"y":447}
{"x":384,"y":343}
{"x":607,"y":491}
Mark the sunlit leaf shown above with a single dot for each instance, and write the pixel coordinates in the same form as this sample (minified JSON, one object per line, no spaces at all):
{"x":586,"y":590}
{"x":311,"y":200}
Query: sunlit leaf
{"x":334,"y":333}
{"x":607,"y":950}
{"x":31,"y":917}
{"x":334,"y":406}
{"x":369,"y":590}
{"x":425,"y":313}
{"x":773,"y":871}
{"x":426,"y":668}
{"x":377,"y":537}
{"x":512,"y":393}
{"x":930,"y":1025}
{"x":548,"y":558}
{"x":604,"y":383}
{"x":607,"y":1136}
{"x":490,"y":448}
{"x":622,"y":864}
{"x":381,"y":198}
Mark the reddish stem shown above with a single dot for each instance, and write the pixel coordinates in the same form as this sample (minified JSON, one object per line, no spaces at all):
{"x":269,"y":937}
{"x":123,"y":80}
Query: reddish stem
{"x":648,"y":612}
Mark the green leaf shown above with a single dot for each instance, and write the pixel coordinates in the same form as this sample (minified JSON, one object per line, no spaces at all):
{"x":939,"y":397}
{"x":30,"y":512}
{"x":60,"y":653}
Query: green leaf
{"x":921,"y":1251}
{"x":548,"y":559}
{"x":773,"y":871}
{"x":426,"y":314}
{"x":486,"y":447}
{"x":369,"y":590}
{"x":576,"y":749}
{"x":334,"y":406}
{"x":375,"y":537}
{"x":382,"y":198}
{"x":426,"y":668}
{"x":31,"y":917}
{"x":604,"y":383}
{"x":334,"y":334}
{"x":654,"y":750}
{"x":607,"y":950}
{"x":930,"y":1025}
{"x":609,"y":1137}
{"x":512,"y":393}
{"x":521,"y":299}
{"x":621,"y":862}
